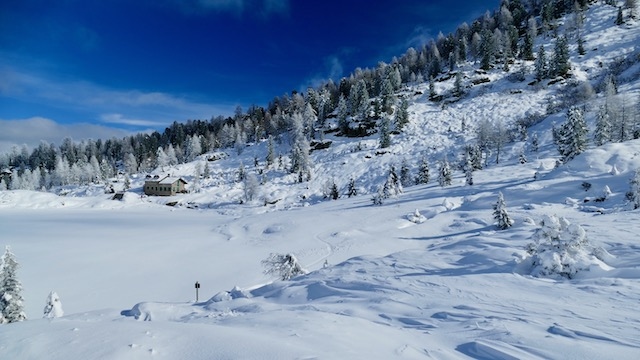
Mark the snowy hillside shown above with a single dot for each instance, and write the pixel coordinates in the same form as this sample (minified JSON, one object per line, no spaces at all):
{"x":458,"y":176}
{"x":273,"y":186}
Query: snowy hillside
{"x":425,"y":275}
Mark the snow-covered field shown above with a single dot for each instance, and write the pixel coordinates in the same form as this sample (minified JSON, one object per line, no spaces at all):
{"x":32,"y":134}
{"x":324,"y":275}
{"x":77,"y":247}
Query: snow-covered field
{"x":380,"y":286}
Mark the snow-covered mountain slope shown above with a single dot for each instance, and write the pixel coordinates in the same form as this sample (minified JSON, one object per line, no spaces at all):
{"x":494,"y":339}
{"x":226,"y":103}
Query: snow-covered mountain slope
{"x":380,"y":286}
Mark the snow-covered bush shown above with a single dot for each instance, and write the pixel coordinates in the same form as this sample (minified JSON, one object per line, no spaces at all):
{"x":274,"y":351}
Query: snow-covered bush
{"x":416,"y":217}
{"x":53,"y":309}
{"x":561,"y":249}
{"x":285,"y":266}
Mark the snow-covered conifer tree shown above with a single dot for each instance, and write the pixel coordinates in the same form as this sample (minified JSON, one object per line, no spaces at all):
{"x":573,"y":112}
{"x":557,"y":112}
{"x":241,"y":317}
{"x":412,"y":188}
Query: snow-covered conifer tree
{"x":572,"y":139}
{"x":402,"y":115}
{"x":561,"y":65}
{"x":285,"y":266}
{"x":458,"y":89}
{"x":53,"y":308}
{"x":334,"y":193}
{"x":130,"y":163}
{"x":468,"y":169}
{"x":11,"y":299}
{"x":250,"y":186}
{"x":534,"y":143}
{"x":385,"y":133}
{"x":271,"y":155}
{"x":162,"y":159}
{"x":405,"y":173}
{"x":423,"y":172}
{"x":392,"y":186}
{"x":300,"y":159}
{"x":500,"y":214}
{"x":602,"y":134}
{"x":445,"y":173}
{"x":343,"y":116}
{"x":542,"y":67}
{"x":561,"y":249}
{"x":433,"y":95}
{"x":635,"y":189}
{"x":352,"y":190}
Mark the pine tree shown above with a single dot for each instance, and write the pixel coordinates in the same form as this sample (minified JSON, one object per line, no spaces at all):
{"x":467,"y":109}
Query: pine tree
{"x":487,"y":50}
{"x":635,"y":189}
{"x":500,"y":213}
{"x":542,"y":67}
{"x":423,"y":172}
{"x":352,"y":190}
{"x":271,"y":155}
{"x":581,"y":49}
{"x":393,"y":186}
{"x":433,"y":95}
{"x":402,"y":115}
{"x":250,"y":187}
{"x":444,"y":175}
{"x":468,"y":169}
{"x":387,"y":94}
{"x":573,"y":135}
{"x":53,"y":308}
{"x":405,"y":173}
{"x":343,"y":116}
{"x":300,"y":159}
{"x":385,"y":133}
{"x":602,"y":134}
{"x":619,"y":17}
{"x":11,"y":299}
{"x":561,"y":64}
{"x":458,"y":88}
{"x":242,"y":172}
{"x":335,"y":194}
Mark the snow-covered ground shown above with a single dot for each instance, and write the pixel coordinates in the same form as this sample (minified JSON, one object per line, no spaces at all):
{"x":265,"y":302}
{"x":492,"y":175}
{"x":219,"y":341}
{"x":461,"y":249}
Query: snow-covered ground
{"x":381,"y":285}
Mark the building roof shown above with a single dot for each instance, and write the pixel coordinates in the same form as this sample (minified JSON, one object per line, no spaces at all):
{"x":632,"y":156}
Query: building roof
{"x":168,"y":180}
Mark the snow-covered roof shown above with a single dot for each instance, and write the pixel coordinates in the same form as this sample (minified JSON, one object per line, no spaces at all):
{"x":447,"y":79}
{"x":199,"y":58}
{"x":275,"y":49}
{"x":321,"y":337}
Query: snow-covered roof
{"x":170,"y":180}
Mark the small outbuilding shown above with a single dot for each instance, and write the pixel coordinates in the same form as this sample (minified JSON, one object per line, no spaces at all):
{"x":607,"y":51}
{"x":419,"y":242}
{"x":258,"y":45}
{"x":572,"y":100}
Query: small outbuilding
{"x":164,"y":186}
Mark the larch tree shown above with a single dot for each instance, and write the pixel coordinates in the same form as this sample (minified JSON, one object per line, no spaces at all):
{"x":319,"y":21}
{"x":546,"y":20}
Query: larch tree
{"x":11,"y":301}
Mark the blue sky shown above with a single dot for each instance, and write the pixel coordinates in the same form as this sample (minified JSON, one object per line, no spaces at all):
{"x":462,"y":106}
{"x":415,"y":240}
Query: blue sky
{"x":108,"y":68}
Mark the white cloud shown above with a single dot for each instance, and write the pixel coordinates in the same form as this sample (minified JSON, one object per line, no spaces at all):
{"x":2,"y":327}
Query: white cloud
{"x":157,"y":108}
{"x":264,"y":8}
{"x":32,"y":131}
{"x":122,"y":120}
{"x":333,"y":69}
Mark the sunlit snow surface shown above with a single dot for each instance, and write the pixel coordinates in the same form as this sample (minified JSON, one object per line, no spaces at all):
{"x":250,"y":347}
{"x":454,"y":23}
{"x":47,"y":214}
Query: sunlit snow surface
{"x":381,"y":286}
